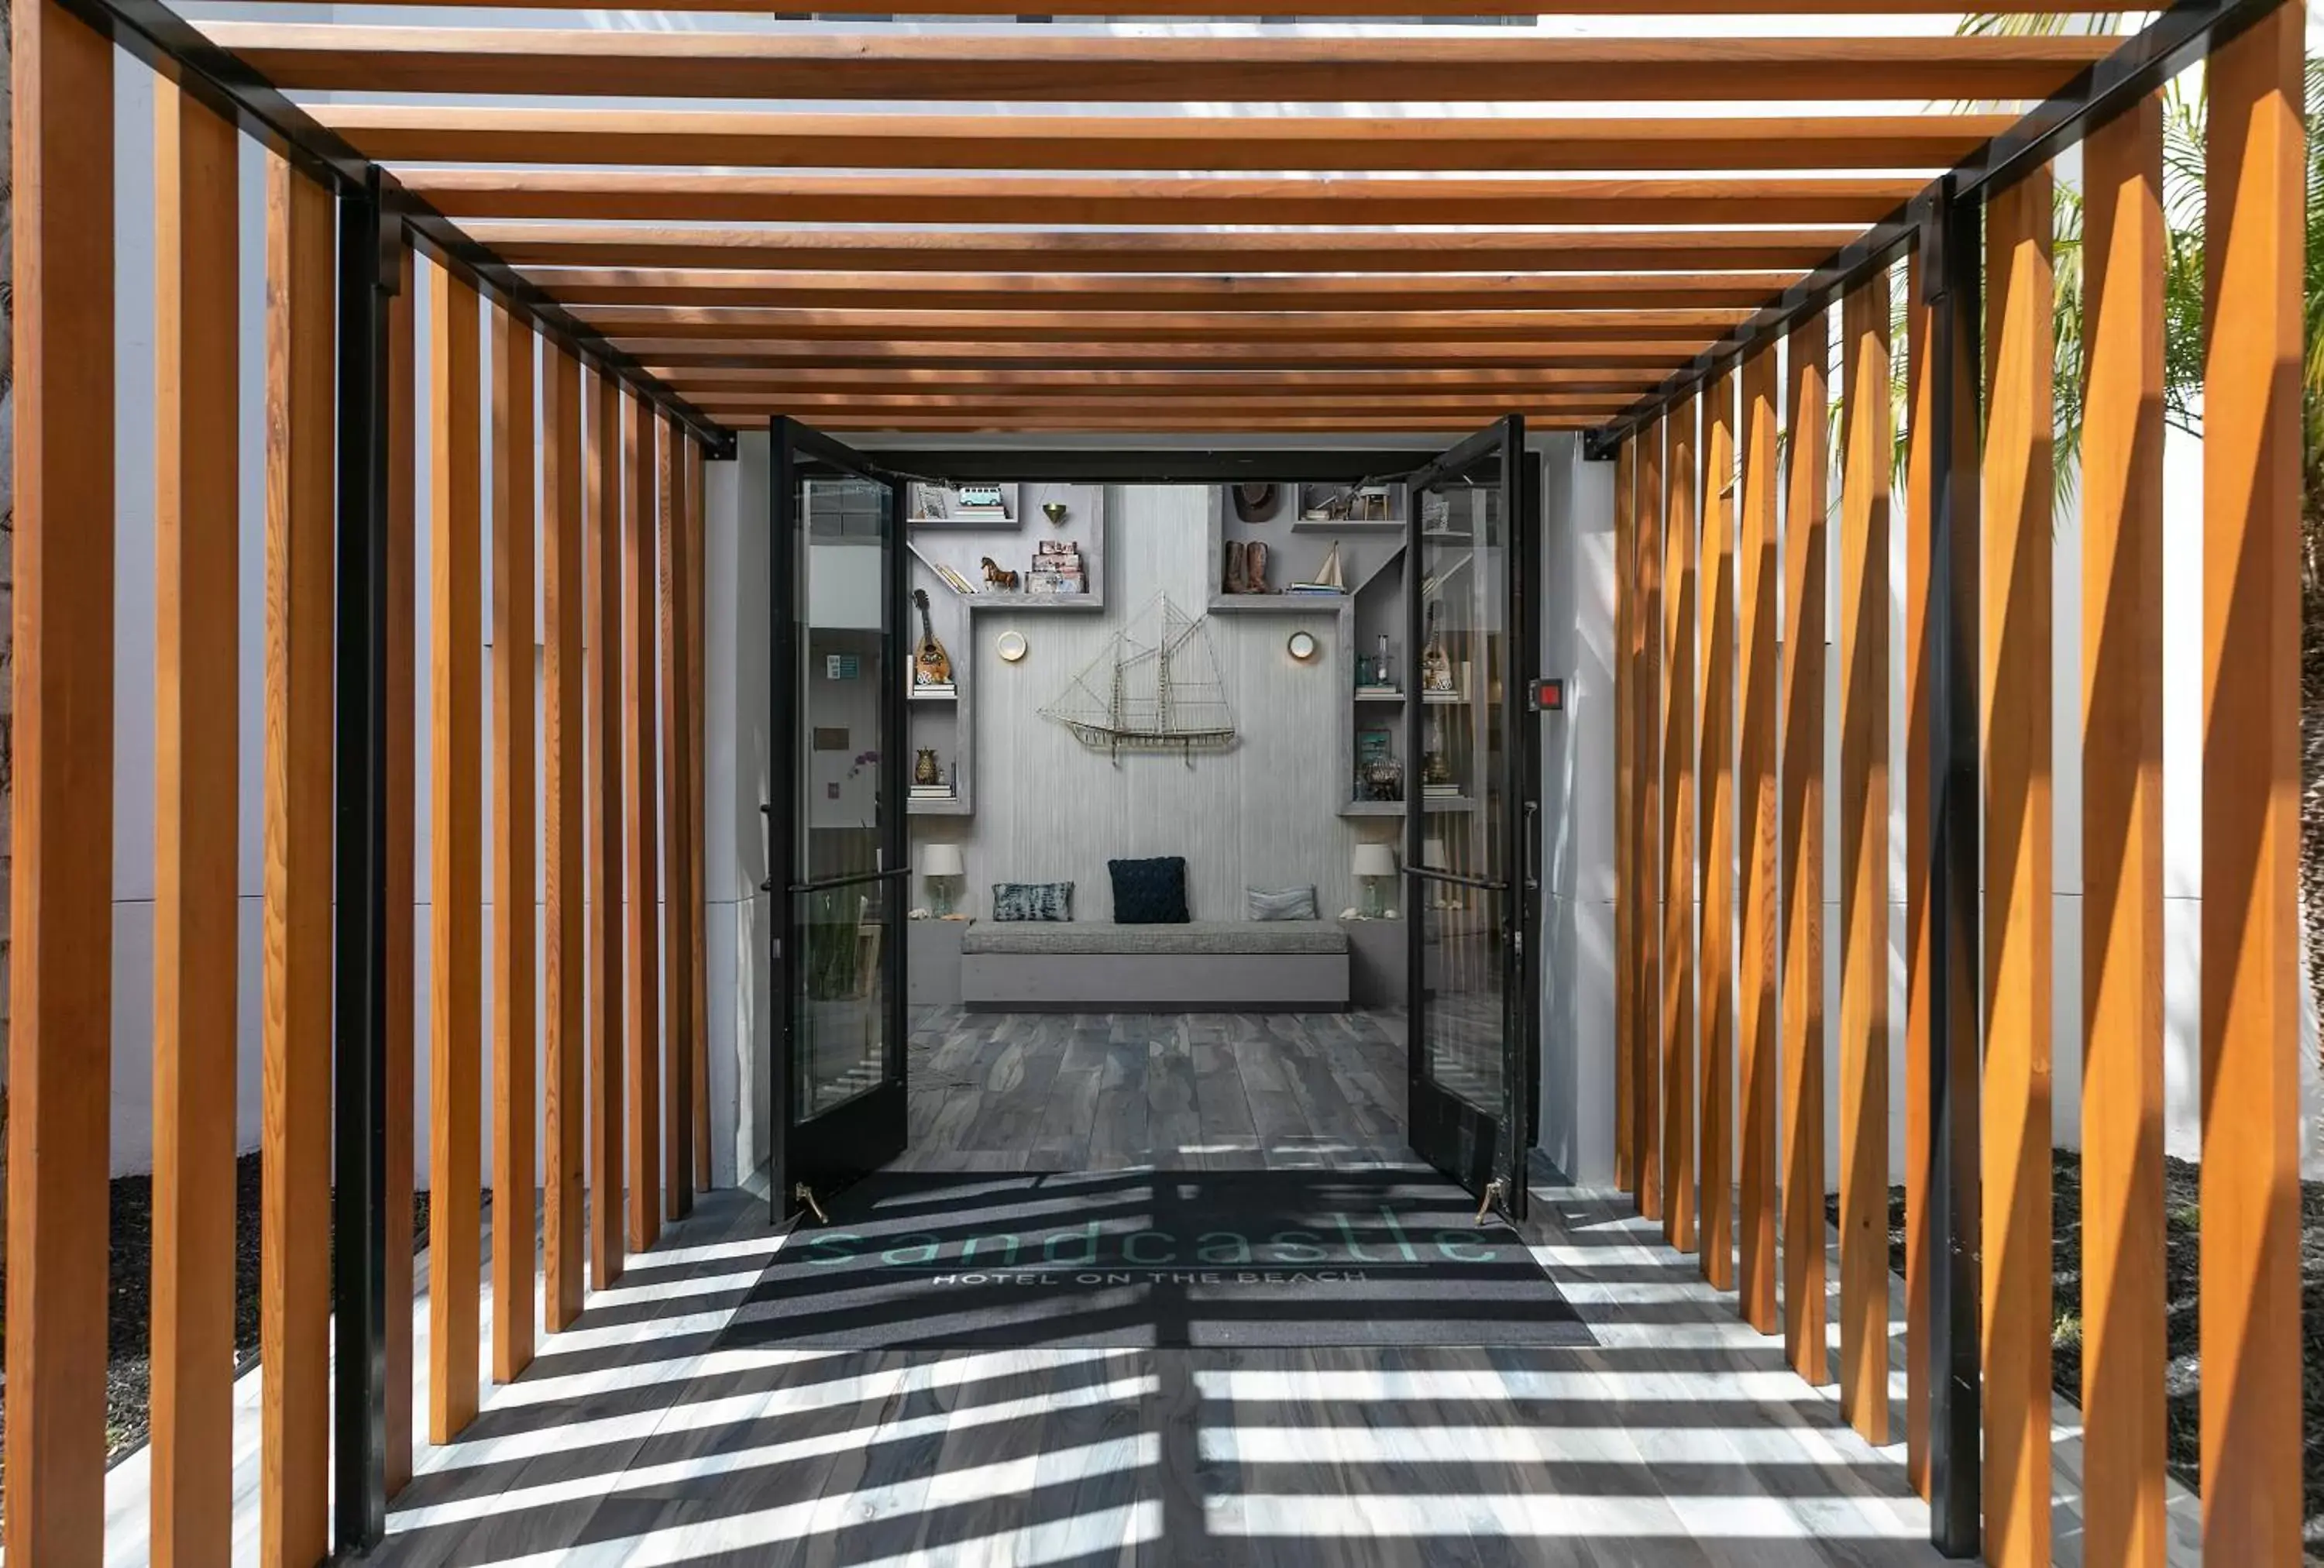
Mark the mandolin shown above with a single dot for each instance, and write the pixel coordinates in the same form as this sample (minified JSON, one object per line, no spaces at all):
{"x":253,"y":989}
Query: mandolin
{"x":931,"y":664}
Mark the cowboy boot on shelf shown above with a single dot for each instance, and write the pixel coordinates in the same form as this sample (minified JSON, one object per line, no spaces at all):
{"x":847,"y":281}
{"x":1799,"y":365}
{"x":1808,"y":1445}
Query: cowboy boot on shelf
{"x":1254,"y":570}
{"x":1235,"y":581}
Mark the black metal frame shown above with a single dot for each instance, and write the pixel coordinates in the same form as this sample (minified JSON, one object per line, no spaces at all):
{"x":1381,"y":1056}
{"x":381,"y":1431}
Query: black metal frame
{"x":173,"y":47}
{"x":1176,"y":465}
{"x":1472,"y":1146}
{"x":852,"y":1140}
{"x":369,"y":275}
{"x":1952,"y":277}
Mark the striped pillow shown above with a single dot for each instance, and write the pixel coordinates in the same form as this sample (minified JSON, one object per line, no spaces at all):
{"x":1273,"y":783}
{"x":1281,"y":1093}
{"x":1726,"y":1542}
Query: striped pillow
{"x":1281,"y":903}
{"x":1032,"y":900}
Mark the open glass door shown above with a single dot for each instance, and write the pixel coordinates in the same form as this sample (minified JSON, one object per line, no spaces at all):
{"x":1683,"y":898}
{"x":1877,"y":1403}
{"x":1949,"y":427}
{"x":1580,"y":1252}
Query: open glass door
{"x":1470,"y":810}
{"x":836,"y":853}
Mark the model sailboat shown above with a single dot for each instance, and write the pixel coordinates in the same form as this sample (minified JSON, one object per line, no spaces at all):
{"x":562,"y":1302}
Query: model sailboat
{"x":1155,"y":688}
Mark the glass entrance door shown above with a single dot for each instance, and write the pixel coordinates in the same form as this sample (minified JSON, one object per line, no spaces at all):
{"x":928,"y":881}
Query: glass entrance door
{"x":1472,"y":813}
{"x":839,"y":879}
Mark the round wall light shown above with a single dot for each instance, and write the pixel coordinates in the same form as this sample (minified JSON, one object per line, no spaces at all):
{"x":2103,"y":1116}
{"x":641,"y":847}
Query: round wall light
{"x":1303,"y":647}
{"x":1010,"y":646}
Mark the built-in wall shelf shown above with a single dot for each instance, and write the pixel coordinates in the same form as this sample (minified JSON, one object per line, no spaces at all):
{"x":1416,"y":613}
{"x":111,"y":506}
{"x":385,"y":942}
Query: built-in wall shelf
{"x":1373,"y":554}
{"x":1370,"y":527}
{"x":1441,"y":805}
{"x":939,"y":546}
{"x":1277,"y":604}
{"x":1089,"y":601}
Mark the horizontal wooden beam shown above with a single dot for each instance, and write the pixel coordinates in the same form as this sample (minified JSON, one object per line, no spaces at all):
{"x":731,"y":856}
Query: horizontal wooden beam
{"x":968,"y":398}
{"x":1191,"y":424}
{"x":783,"y":139}
{"x":684,"y":351}
{"x":1223,"y":327}
{"x":1689,"y":249}
{"x":1102,"y":292}
{"x":1134,"y":383}
{"x":1010,"y":10}
{"x":1023,"y":67}
{"x":663,"y":196}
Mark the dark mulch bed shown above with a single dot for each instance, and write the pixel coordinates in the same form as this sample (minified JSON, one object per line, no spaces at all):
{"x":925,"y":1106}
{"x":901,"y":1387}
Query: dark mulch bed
{"x":128,"y":1331}
{"x":2182,"y":1221}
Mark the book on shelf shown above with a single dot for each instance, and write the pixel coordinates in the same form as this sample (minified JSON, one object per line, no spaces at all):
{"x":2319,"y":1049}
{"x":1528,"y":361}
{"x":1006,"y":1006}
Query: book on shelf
{"x":954,"y":581}
{"x":1373,"y":689}
{"x":932,"y":792}
{"x":1318,"y":590}
{"x":1440,"y":791}
{"x":935,"y":690}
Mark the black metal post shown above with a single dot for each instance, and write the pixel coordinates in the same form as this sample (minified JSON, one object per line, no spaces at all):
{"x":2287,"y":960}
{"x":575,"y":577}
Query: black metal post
{"x":1952,"y":236}
{"x":359,"y":1304}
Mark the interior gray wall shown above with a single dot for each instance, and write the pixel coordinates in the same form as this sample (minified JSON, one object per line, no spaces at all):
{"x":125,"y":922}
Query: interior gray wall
{"x":1574,"y":1119}
{"x":1263,"y":813}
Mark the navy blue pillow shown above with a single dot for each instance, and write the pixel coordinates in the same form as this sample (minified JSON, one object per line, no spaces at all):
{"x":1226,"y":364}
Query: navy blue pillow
{"x":1149,"y":892}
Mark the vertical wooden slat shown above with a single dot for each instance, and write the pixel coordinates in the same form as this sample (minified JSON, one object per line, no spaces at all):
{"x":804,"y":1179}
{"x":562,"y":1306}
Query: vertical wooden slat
{"x":562,"y":760}
{"x":456,"y":1069}
{"x":515,"y":1028}
{"x":294,"y":1286}
{"x":1646,"y":823}
{"x":1866,"y":456}
{"x":60,"y":983}
{"x":196,"y":263}
{"x":1920,"y":574}
{"x":2016,"y":681}
{"x":402,"y":897}
{"x":1626,"y":784}
{"x":1716,"y":771}
{"x":1806,"y":508}
{"x":1679,"y":934}
{"x":1760,"y":572}
{"x":601,"y":681}
{"x":678,"y":972}
{"x":698,"y":813}
{"x":2123,"y":1284}
{"x":642,"y":933}
{"x":2250,"y":1008}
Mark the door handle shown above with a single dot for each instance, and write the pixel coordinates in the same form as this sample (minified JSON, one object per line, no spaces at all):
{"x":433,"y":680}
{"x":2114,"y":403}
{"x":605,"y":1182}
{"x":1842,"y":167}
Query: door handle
{"x":1531,"y":876}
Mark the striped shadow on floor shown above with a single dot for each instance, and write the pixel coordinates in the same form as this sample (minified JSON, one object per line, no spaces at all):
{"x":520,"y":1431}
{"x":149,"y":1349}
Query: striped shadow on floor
{"x":1172,"y":1260}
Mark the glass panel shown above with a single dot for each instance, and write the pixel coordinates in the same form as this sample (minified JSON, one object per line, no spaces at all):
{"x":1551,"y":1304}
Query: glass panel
{"x":1467,"y":1016}
{"x":843,"y":675}
{"x":839,"y":1035}
{"x":1467,"y":771}
{"x":845,"y":933}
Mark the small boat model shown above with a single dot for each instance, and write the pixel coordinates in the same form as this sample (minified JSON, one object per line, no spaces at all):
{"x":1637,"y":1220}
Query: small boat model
{"x":1156,"y":687}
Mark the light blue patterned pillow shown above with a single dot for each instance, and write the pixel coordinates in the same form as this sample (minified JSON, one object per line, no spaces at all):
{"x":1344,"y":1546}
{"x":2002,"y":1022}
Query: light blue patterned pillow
{"x":1281,"y":903}
{"x":1032,"y":900}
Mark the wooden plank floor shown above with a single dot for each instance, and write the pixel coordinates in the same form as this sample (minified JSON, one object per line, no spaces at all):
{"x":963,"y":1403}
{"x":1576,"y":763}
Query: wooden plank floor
{"x":1173,"y":1091}
{"x":1680,"y":1438}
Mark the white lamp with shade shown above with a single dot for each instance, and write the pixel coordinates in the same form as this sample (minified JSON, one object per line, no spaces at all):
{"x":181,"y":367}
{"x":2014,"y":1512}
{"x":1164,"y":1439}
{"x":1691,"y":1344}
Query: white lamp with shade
{"x":1374,"y":861}
{"x":941,"y":864}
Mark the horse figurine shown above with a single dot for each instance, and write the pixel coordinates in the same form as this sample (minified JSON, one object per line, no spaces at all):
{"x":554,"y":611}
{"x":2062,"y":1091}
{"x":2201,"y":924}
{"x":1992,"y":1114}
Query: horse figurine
{"x":999,"y":580}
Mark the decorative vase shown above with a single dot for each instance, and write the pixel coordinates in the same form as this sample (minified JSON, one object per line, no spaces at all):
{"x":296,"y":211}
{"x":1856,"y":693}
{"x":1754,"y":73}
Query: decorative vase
{"x":1055,"y":510}
{"x":927,"y":769}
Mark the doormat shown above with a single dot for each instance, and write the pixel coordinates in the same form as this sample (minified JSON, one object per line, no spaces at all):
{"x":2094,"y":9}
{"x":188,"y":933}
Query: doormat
{"x":1161,"y":1258}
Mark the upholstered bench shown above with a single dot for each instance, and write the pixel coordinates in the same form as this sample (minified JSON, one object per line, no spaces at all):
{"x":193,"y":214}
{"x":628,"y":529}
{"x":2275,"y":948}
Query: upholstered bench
{"x":1088,"y":966}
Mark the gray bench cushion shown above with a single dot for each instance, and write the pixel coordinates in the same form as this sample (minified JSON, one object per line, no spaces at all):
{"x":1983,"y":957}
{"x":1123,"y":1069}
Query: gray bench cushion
{"x":1199,"y":936}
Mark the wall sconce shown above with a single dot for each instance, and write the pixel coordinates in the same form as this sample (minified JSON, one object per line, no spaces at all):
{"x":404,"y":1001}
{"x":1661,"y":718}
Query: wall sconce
{"x":1303,"y":647}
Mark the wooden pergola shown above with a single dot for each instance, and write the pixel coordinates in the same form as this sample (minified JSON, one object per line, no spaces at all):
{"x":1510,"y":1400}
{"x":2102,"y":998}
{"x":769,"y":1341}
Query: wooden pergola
{"x":1327,"y":230}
